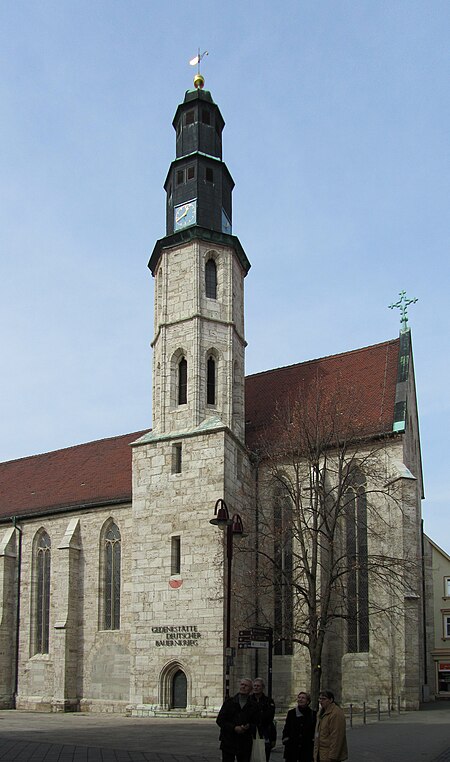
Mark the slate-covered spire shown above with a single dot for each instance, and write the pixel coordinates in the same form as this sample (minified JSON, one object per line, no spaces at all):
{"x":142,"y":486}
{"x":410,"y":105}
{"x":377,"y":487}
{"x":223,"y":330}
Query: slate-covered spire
{"x":198,"y":184}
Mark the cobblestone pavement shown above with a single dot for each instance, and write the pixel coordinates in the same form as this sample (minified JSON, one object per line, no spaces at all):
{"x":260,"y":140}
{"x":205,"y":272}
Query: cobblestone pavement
{"x":29,"y":737}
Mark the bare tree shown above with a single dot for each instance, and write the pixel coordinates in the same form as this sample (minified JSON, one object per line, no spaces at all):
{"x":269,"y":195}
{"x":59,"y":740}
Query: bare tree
{"x":328,"y":554}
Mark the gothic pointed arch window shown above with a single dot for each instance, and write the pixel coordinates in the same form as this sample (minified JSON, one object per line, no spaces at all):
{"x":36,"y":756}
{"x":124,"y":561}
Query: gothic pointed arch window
{"x":211,"y":279}
{"x":111,"y":567}
{"x":283,"y":591}
{"x":182,"y":381}
{"x":41,"y":613}
{"x":357,"y":564}
{"x":211,"y":381}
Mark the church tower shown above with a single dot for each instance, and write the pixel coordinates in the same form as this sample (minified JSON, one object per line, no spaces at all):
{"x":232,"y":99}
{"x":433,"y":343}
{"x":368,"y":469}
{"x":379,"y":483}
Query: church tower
{"x":199,"y":267}
{"x":195,"y":453}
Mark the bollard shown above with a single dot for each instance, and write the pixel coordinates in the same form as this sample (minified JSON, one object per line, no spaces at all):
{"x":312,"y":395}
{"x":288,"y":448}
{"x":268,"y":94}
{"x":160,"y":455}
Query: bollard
{"x":389,"y":706}
{"x":398,"y":704}
{"x":364,"y":712}
{"x":378,"y":710}
{"x":351,"y":715}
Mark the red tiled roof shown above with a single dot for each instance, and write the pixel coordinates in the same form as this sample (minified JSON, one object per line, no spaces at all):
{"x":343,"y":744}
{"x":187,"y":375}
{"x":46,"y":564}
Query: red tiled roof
{"x":87,"y":474}
{"x":368,"y":377}
{"x":100,"y":472}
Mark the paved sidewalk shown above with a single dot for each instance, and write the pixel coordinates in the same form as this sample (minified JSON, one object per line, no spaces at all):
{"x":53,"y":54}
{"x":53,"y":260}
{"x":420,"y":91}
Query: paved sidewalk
{"x":30,"y":737}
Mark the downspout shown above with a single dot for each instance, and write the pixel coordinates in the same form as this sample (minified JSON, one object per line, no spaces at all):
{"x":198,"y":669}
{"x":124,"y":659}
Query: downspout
{"x":424,"y":613}
{"x":257,"y":556}
{"x":19,"y":569}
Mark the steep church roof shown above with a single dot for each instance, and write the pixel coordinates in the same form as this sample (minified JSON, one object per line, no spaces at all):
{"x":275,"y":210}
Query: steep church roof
{"x":99,"y":473}
{"x":365,"y":381}
{"x":95,"y":473}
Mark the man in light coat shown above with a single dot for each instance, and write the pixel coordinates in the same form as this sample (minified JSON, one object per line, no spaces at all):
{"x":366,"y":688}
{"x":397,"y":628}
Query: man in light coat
{"x":330,"y":742}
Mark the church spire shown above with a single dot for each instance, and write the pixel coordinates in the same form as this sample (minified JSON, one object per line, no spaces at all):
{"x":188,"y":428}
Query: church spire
{"x":198,"y":183}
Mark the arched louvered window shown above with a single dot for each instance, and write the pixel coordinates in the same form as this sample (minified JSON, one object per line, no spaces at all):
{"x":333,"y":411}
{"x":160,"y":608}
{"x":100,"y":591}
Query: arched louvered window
{"x":112,"y":558}
{"x":42,"y":599}
{"x":182,"y":381}
{"x":211,"y":279}
{"x":211,"y":381}
{"x":357,"y":580}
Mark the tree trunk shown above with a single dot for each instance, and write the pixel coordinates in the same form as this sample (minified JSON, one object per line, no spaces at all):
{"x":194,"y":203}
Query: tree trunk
{"x":316,"y":676}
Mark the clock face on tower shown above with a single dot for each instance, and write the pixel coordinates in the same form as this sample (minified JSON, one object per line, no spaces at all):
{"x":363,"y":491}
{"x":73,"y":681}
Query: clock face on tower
{"x":185,"y":215}
{"x":226,"y":224}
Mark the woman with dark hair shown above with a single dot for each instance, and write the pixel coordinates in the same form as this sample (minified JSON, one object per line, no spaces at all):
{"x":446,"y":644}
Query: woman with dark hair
{"x":298,"y":731}
{"x":330,"y":743}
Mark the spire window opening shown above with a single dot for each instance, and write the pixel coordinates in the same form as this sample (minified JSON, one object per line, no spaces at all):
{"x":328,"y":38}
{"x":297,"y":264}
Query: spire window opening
{"x":190,"y":117}
{"x":209,"y":175}
{"x":211,"y":381}
{"x":182,"y":381}
{"x":211,"y":279}
{"x":190,"y":172}
{"x":206,"y":117}
{"x":180,"y":176}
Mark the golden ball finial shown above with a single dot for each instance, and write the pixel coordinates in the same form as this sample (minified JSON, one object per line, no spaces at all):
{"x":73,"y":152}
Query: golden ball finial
{"x":199,"y":81}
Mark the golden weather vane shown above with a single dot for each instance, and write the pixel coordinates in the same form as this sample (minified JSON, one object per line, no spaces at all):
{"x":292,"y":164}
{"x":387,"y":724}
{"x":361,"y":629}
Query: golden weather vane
{"x":199,"y":80}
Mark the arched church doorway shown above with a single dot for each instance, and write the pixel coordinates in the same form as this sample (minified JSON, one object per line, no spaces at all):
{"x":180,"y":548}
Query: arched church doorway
{"x":179,"y":690}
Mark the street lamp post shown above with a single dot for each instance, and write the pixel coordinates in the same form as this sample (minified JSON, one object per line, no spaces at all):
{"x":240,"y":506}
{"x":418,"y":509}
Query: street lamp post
{"x":233,"y":527}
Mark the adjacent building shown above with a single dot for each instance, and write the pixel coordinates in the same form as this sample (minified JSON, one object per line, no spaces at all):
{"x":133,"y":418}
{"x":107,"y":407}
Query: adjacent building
{"x":437,"y":597}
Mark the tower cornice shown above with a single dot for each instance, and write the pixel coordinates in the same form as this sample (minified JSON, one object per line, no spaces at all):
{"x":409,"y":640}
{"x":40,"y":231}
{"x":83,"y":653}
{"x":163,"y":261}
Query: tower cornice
{"x":198,"y":233}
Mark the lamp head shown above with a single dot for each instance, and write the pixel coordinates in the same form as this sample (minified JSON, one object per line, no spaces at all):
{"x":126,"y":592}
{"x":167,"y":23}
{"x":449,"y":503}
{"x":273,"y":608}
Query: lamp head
{"x":221,"y":516}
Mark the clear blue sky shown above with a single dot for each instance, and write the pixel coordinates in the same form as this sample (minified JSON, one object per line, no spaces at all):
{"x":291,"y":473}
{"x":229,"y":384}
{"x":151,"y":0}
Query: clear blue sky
{"x":337,"y":137}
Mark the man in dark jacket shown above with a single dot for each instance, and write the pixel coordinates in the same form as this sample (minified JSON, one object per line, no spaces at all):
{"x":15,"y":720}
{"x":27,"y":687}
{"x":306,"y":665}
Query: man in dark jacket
{"x":298,"y":731}
{"x":235,"y":719}
{"x":265,"y":708}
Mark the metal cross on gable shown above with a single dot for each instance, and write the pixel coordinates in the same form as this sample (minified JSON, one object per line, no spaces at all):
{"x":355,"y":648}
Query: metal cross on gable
{"x":403,"y":304}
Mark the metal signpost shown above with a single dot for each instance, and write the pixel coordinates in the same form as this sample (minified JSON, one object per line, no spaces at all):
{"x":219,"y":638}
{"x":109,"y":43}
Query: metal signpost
{"x":259,"y":637}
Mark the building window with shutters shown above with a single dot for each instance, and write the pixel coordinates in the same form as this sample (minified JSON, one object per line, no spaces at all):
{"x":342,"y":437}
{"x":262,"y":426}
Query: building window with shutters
{"x":446,"y":625}
{"x":446,"y":587}
{"x":41,"y":589}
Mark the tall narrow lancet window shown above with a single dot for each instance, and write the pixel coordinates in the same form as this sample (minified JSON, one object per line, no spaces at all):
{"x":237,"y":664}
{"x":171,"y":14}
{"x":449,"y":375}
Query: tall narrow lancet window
{"x":211,"y":381}
{"x":182,"y":381}
{"x":357,"y":560}
{"x":283,"y":591}
{"x":112,"y":557}
{"x":211,"y":279}
{"x":42,"y":601}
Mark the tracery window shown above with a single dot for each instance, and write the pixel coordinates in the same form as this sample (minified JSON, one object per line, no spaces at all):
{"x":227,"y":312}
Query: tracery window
{"x":211,"y":279}
{"x":112,"y":560}
{"x":283,"y":603}
{"x":42,"y":595}
{"x":182,"y":381}
{"x":357,"y":580}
